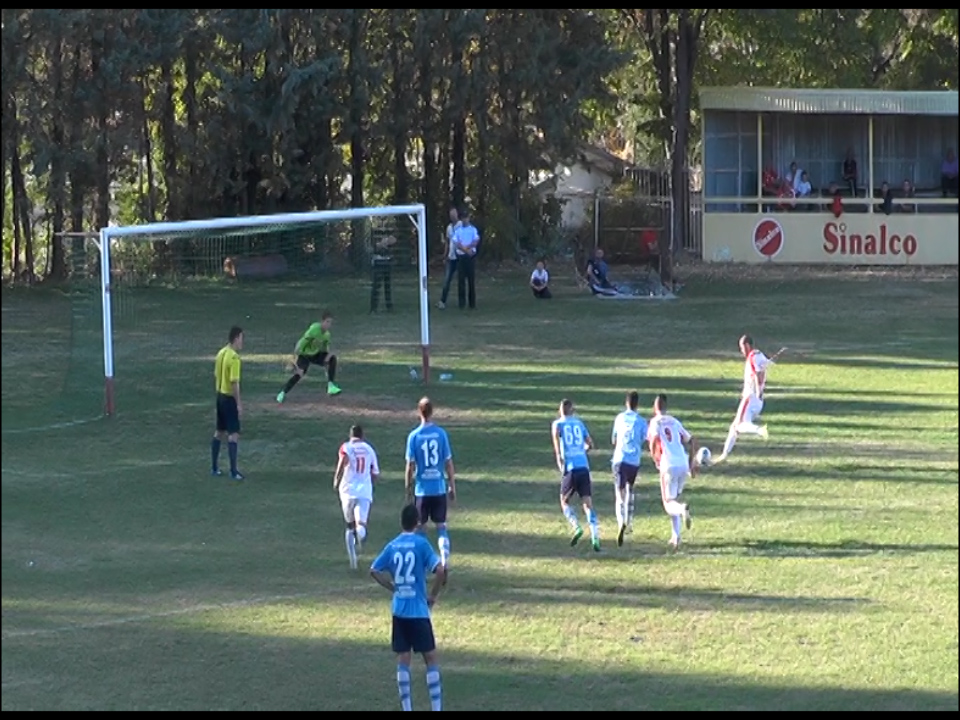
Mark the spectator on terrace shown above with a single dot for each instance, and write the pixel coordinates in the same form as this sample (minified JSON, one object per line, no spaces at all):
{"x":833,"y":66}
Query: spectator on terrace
{"x":836,"y":207}
{"x":804,"y":189}
{"x":793,"y":177}
{"x":886,"y":198}
{"x":908,"y":192}
{"x":850,"y":172}
{"x":948,"y":174}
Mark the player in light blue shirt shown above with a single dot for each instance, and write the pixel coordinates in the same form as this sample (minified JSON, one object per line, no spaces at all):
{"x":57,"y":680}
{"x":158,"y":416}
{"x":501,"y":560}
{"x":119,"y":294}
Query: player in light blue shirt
{"x":430,"y":477}
{"x":571,"y":442}
{"x":629,"y":432}
{"x":402,"y":568}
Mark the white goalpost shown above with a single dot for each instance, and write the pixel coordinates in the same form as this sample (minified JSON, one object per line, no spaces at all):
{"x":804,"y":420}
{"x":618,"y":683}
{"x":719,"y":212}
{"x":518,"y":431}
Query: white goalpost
{"x":109,"y":239}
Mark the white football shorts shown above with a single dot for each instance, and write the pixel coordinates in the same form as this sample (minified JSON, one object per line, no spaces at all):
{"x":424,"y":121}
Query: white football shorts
{"x":355,"y":510}
{"x":673,"y":480}
{"x":749,"y":410}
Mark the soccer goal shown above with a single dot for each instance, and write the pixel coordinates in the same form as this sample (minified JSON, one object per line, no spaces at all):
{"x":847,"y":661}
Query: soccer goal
{"x":170,"y":292}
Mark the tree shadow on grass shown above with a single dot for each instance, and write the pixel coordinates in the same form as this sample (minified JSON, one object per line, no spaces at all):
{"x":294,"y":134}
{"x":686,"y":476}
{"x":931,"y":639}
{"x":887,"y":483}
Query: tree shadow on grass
{"x":844,"y":549}
{"x":165,"y":667}
{"x":467,"y":585}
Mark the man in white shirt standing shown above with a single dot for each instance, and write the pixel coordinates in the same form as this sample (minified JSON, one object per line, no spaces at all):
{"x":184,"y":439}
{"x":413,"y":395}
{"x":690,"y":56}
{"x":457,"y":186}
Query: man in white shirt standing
{"x":465,"y":239}
{"x":755,"y":368}
{"x":357,"y":471}
{"x":450,"y":256}
{"x":540,"y":282}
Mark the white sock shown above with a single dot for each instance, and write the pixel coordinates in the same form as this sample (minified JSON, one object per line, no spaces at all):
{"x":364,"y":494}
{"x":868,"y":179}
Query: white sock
{"x":749,"y":428}
{"x":621,"y":515}
{"x":674,"y":508}
{"x":676,"y":521}
{"x":361,"y":533}
{"x":571,"y":515}
{"x":730,"y":441}
{"x":627,"y":505}
{"x":351,"y":545}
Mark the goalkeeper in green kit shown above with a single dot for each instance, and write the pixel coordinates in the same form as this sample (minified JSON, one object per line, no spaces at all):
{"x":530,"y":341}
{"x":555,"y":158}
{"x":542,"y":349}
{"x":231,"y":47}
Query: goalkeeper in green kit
{"x":314,"y":349}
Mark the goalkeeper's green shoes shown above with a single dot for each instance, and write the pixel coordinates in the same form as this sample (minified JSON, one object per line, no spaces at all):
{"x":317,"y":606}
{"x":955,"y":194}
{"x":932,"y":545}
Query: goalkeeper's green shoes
{"x":332,"y":389}
{"x":281,"y":396}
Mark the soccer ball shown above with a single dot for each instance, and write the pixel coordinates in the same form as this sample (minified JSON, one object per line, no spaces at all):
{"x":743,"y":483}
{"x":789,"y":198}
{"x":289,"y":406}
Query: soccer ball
{"x":703,"y":457}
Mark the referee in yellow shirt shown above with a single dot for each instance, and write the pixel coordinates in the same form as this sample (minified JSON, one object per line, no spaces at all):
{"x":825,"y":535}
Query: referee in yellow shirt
{"x":226,"y":370}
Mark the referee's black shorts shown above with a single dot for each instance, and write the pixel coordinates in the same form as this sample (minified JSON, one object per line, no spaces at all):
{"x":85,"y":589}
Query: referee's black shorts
{"x":228,"y":415}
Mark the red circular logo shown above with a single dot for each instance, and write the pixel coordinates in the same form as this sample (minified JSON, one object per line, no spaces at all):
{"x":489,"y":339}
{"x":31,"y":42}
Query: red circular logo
{"x":768,"y":238}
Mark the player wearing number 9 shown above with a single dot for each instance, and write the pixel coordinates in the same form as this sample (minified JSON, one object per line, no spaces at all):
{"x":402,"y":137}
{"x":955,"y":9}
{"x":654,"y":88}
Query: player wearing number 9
{"x":402,"y":568}
{"x":430,"y":475}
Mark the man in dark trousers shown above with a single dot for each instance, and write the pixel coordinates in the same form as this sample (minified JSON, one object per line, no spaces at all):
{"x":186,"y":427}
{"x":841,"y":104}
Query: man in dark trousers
{"x":382,"y":262}
{"x":465,"y":240}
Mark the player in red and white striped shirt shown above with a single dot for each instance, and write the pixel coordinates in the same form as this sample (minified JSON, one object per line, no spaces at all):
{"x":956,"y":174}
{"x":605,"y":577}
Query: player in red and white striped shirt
{"x":357,"y":472}
{"x":755,"y":368}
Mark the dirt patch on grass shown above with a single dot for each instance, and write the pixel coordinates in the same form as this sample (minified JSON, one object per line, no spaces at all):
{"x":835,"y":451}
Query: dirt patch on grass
{"x":361,"y":407}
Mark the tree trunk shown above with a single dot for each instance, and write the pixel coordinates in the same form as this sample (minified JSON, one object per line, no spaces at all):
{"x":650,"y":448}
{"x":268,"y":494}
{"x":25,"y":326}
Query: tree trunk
{"x":401,"y":176}
{"x":430,"y":148}
{"x":151,"y":196}
{"x":58,"y":175}
{"x":21,"y":208}
{"x":458,"y":152}
{"x":192,"y":199}
{"x":102,"y":157}
{"x":356,"y":112}
{"x":168,"y":134}
{"x":78,"y":176}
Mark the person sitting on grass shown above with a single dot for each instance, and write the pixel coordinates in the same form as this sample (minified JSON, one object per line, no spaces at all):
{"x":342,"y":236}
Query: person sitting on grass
{"x":539,"y":282}
{"x":597,"y":270}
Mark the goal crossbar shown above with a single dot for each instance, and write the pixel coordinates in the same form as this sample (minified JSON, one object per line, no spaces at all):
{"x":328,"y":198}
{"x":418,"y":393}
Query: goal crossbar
{"x":416,"y":213}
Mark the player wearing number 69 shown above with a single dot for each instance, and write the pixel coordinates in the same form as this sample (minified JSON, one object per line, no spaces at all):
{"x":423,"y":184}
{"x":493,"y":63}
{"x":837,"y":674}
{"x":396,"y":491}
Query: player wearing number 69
{"x":430,"y":475}
{"x":357,"y":472}
{"x":571,"y":441}
{"x":402,"y":568}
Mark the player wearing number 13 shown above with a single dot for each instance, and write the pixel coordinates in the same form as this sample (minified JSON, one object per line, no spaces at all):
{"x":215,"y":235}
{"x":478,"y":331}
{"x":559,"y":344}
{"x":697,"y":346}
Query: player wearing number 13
{"x":430,"y":475}
{"x":571,"y":441}
{"x":402,"y":568}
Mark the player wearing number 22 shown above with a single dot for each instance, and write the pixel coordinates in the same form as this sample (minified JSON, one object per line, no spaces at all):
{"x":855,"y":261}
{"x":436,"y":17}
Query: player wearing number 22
{"x":430,"y":475}
{"x":402,"y":568}
{"x":358,"y":470}
{"x":571,"y":441}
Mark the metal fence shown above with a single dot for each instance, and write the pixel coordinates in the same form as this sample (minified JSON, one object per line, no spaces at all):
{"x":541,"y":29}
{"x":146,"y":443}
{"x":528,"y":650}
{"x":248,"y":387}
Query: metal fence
{"x":626,"y":221}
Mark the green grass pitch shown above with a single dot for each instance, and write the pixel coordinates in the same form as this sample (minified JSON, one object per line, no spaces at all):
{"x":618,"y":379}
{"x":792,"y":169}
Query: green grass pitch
{"x":820,"y":572}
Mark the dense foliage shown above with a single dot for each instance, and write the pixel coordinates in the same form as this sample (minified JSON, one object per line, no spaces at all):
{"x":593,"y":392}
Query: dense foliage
{"x":137,"y":115}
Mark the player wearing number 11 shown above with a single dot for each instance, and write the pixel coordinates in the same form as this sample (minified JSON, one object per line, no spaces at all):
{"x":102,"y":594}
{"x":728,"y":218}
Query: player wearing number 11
{"x":357,"y":472}
{"x":430,"y":475}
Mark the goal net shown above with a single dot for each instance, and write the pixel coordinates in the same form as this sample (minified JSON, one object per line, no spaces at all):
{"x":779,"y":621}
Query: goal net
{"x":170,"y":292}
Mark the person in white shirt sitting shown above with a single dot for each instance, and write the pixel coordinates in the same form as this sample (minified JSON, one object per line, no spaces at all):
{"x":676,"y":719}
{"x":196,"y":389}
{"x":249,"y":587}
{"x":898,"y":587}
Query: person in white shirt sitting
{"x":540,"y":281}
{"x":804,"y":189}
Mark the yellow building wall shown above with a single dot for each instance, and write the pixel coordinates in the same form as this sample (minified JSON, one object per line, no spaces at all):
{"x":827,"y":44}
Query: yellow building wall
{"x":822,"y":239}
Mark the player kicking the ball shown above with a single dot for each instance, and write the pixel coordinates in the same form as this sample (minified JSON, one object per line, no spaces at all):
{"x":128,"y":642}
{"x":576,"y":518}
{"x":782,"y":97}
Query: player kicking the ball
{"x":629,"y":432}
{"x":669,"y":444}
{"x":357,"y":472}
{"x":755,"y":368}
{"x":571,"y":441}
{"x":313,"y":349}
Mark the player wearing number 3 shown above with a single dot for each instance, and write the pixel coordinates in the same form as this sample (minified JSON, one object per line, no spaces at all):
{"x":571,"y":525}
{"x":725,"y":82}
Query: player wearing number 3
{"x":402,"y":568}
{"x":357,"y":472}
{"x":430,"y":477}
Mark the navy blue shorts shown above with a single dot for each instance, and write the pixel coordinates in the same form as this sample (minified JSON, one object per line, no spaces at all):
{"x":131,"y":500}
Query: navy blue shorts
{"x":625,"y":474}
{"x":228,"y":416}
{"x":413,"y":635}
{"x":576,"y":481}
{"x":432,"y":508}
{"x":305,"y":361}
